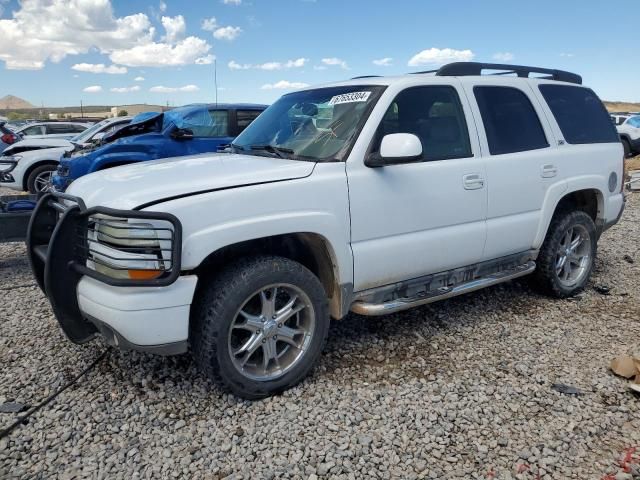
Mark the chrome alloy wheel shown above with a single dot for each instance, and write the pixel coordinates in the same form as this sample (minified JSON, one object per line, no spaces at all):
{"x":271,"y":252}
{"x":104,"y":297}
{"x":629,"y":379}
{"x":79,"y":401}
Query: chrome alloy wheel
{"x":271,"y":332}
{"x":573,"y":257}
{"x":43,"y":180}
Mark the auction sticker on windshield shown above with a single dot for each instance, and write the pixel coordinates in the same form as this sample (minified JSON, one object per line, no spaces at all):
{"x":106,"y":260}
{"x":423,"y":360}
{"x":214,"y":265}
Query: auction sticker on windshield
{"x":349,"y":98}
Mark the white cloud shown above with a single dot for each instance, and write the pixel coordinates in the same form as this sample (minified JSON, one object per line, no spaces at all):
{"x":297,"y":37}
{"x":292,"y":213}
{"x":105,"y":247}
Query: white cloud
{"x":283,"y":84}
{"x":162,"y":7}
{"x":209,"y":24}
{"x":99,"y":68}
{"x":135,"y":88}
{"x":186,"y":88}
{"x":233,"y":65}
{"x":138,"y":79}
{"x":383,"y":62}
{"x":567,"y":55}
{"x":503,"y":56}
{"x":269,"y":66}
{"x":174,"y":27}
{"x":232,"y":2}
{"x":185,"y":52}
{"x":227,"y":33}
{"x":333,"y":61}
{"x":437,"y":56}
{"x":92,"y":89}
{"x":42,"y":31}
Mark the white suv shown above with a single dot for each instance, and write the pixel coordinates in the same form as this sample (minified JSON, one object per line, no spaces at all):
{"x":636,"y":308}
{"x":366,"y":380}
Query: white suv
{"x":629,"y":131}
{"x":372,"y":195}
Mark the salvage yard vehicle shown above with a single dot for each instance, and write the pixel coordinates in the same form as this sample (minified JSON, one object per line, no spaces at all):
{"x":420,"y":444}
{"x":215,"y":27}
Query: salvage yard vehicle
{"x":182,"y":131}
{"x":411,"y":189}
{"x":52,"y":129}
{"x":629,"y":131}
{"x":28,"y":165}
{"x":7,"y":136}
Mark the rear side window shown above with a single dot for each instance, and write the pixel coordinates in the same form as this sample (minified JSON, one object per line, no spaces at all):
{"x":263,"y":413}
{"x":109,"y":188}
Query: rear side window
{"x":510,"y":121}
{"x":245,"y":117}
{"x":634,"y":122}
{"x":580,"y":114}
{"x":63,"y":129}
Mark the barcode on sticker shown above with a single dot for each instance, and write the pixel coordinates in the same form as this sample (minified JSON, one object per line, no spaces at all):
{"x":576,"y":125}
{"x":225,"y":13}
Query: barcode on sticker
{"x":349,"y":98}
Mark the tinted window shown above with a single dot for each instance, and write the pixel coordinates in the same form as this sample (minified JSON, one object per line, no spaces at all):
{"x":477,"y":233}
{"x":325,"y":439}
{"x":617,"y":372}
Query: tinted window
{"x":510,"y":121}
{"x":245,"y":117}
{"x":207,"y":123}
{"x":580,"y":114}
{"x":435,"y":116}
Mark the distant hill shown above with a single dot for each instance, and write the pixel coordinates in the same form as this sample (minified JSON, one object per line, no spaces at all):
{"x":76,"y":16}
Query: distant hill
{"x":11,"y":102}
{"x":622,"y":106}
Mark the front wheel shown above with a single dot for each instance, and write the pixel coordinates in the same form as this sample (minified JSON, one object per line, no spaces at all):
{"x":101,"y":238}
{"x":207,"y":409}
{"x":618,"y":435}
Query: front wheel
{"x":40,"y":178}
{"x":567,"y":255}
{"x":627,"y":148}
{"x":260,"y":325}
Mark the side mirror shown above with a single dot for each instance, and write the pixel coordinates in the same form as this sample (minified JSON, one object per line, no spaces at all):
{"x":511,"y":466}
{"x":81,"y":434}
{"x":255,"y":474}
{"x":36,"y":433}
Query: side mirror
{"x":396,"y":148}
{"x":182,"y":134}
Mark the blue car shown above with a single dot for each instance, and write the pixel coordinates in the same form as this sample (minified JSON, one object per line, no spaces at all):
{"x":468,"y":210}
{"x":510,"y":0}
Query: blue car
{"x":187,"y":130}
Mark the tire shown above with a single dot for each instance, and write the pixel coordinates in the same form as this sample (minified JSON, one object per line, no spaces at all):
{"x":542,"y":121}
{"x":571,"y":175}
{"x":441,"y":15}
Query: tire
{"x":627,"y":148}
{"x":217,"y":328}
{"x":37,"y":176}
{"x":547,"y":276}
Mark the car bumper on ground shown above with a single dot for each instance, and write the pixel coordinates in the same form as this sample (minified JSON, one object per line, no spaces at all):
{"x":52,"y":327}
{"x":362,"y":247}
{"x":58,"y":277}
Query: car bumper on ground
{"x":148,"y":315}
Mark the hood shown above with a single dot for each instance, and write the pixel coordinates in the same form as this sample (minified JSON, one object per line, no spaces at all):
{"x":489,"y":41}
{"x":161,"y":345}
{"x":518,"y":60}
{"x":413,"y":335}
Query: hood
{"x":142,"y":123}
{"x":130,"y":186}
{"x":36,"y":144}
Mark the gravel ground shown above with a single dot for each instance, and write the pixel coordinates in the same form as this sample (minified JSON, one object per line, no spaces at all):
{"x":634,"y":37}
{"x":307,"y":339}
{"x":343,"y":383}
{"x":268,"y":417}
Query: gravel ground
{"x":458,"y":389}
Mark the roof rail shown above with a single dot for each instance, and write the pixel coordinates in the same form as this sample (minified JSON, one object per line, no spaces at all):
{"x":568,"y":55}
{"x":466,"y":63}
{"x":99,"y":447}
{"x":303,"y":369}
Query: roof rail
{"x":462,"y":69}
{"x":366,"y":76}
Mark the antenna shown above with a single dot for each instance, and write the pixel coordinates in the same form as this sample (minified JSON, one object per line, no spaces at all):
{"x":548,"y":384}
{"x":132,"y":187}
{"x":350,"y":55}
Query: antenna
{"x":215,"y":79}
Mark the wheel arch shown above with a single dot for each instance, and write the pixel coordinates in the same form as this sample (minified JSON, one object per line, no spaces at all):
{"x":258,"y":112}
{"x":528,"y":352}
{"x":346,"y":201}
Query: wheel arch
{"x":312,"y":250}
{"x":590,"y":200}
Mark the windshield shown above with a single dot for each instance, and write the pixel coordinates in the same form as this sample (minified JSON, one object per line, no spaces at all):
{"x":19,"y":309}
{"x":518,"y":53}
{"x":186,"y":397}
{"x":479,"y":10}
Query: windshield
{"x":86,"y":135}
{"x":319,"y":125}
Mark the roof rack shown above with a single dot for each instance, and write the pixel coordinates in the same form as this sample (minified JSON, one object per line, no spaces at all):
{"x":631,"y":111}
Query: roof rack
{"x":365,"y":76}
{"x":463,"y":69}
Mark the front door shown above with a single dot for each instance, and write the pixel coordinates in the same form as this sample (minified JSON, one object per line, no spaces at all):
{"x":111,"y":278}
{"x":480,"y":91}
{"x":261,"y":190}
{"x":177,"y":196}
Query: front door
{"x":428,"y":215}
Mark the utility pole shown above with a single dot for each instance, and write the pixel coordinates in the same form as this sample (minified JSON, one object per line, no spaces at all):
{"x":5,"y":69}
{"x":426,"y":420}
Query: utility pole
{"x":215,"y":79}
{"x":81,"y":110}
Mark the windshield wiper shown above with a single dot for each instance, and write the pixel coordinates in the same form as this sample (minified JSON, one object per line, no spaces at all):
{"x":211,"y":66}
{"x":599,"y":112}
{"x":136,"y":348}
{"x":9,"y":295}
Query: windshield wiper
{"x":279,"y":151}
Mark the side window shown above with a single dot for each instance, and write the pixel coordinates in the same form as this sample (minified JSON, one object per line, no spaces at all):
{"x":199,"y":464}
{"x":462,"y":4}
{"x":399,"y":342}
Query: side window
{"x":434,"y":114}
{"x":580,"y":114}
{"x":634,"y":122}
{"x":245,"y":117}
{"x":62,"y":129}
{"x":510,"y":121}
{"x":207,"y":123}
{"x":78,"y":128}
{"x":35,"y":130}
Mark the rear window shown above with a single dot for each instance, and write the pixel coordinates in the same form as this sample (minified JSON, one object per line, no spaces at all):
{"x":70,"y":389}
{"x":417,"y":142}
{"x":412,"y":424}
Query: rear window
{"x":580,"y":114}
{"x":510,"y":121}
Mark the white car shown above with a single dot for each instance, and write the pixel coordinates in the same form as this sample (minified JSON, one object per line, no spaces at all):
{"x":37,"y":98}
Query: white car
{"x":369,"y":196}
{"x":52,"y":129}
{"x":28,"y":165}
{"x":629,"y":131}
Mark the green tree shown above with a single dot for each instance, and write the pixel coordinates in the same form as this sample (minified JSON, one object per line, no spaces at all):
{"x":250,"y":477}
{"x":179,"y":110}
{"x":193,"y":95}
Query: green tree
{"x":123,"y":113}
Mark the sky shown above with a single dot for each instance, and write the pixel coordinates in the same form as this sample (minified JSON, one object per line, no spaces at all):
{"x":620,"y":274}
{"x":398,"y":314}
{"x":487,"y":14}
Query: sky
{"x":114,"y":52}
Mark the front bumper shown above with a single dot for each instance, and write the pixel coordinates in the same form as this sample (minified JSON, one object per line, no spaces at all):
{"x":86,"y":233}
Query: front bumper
{"x":7,"y":167}
{"x":150,"y":316}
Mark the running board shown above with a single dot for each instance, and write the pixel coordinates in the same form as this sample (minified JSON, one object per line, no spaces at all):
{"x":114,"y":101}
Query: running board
{"x":375,"y":309}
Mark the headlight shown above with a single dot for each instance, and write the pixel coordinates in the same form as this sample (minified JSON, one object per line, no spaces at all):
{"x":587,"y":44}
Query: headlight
{"x":11,"y":158}
{"x":133,"y":249}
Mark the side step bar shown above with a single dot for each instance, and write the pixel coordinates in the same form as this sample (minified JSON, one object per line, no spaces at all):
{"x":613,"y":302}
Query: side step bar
{"x":375,"y":309}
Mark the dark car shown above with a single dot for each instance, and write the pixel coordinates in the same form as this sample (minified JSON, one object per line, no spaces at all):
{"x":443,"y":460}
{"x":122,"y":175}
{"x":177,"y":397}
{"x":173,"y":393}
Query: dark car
{"x":187,"y":130}
{"x":7,"y":136}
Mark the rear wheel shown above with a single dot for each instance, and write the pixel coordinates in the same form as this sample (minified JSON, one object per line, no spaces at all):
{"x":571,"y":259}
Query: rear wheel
{"x":627,"y":147}
{"x":567,"y":255}
{"x":260,"y":325}
{"x":40,"y":178}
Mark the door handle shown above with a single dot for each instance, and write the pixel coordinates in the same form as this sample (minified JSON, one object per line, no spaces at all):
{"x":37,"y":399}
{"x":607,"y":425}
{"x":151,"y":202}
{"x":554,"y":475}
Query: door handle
{"x":549,"y":171}
{"x":473,"y":181}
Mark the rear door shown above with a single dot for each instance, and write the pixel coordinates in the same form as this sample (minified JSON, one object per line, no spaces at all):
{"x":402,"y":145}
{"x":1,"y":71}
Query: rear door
{"x":427,"y":215}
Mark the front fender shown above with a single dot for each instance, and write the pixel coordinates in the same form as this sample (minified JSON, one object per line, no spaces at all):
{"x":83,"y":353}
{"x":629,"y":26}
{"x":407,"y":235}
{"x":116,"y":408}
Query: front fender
{"x":118,"y":158}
